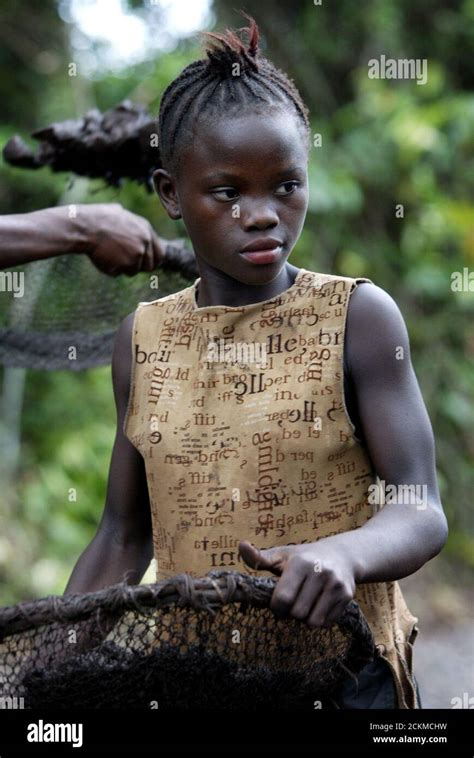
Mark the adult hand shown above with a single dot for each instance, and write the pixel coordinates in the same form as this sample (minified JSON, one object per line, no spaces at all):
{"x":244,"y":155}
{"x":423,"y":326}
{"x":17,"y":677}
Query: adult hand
{"x":317,"y":580}
{"x":118,"y":241}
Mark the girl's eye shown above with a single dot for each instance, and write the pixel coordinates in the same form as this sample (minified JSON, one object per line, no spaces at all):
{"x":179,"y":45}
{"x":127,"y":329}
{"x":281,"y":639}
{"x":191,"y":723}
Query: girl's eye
{"x":221,"y":196}
{"x":293,"y":187}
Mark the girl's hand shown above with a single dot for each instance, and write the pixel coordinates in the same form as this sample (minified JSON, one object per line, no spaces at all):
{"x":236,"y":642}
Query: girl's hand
{"x":316,"y":582}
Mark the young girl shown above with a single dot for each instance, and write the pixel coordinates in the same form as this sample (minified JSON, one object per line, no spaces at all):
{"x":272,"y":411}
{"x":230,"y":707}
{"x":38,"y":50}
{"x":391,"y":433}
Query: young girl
{"x":267,"y":461}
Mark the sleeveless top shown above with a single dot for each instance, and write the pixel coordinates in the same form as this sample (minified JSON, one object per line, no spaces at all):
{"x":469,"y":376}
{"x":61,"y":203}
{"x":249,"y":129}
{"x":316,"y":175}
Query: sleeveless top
{"x":239,"y":415}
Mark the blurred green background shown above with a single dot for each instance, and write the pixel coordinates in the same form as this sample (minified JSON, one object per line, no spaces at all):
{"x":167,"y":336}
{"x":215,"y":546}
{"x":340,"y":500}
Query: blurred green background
{"x":384,"y":143}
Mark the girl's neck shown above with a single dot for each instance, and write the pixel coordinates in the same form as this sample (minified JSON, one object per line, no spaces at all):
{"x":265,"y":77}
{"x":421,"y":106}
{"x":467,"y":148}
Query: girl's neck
{"x":210,"y":292}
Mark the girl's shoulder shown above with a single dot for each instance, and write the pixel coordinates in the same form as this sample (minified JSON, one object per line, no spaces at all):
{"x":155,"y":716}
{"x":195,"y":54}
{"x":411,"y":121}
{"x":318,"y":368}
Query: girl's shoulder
{"x":375,"y":327}
{"x":369,"y":300}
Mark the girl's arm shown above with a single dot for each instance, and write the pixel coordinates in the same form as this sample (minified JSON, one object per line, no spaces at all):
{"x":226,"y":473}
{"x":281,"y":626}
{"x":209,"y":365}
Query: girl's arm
{"x":402,"y":536}
{"x":318,"y":579}
{"x":123,"y":542}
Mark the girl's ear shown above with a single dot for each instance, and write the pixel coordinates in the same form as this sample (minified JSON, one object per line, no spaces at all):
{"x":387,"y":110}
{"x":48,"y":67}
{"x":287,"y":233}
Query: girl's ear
{"x":165,"y":188}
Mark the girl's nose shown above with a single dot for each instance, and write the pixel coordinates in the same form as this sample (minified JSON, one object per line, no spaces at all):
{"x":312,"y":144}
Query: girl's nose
{"x":259,"y":214}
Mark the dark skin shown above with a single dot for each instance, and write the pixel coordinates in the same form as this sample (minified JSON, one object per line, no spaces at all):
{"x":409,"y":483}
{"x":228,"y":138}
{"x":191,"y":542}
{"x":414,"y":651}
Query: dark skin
{"x":263,"y":157}
{"x":116,"y":240}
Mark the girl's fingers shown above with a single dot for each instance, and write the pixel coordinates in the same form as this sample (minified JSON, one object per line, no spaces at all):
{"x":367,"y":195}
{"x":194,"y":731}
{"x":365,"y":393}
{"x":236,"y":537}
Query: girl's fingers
{"x":324,"y":605}
{"x":307,"y":597}
{"x":287,"y":590}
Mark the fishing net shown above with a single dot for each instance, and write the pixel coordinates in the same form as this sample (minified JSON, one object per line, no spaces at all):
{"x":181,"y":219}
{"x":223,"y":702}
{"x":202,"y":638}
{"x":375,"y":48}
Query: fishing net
{"x":66,"y":301}
{"x":202,"y":643}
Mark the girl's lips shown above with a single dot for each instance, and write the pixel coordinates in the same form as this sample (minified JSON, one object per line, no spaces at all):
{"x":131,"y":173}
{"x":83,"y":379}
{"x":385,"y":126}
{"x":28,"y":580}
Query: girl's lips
{"x":263,"y":256}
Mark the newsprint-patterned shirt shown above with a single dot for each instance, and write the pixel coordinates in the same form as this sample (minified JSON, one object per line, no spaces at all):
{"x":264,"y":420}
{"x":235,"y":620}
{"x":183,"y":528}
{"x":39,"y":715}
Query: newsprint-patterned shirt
{"x":240,"y":417}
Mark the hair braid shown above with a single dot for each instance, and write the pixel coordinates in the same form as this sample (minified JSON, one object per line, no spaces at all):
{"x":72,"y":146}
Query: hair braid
{"x":232,"y":78}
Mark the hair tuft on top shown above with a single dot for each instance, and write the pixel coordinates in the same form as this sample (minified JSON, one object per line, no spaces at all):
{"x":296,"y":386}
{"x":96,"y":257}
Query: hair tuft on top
{"x":232,"y":50}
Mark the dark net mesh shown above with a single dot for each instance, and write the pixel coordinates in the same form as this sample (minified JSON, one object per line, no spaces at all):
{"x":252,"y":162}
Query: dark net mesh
{"x":211,"y":642}
{"x":68,"y":303}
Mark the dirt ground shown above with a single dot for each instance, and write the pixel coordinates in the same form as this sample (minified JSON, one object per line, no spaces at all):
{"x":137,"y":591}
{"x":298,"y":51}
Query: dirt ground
{"x":443,"y":657}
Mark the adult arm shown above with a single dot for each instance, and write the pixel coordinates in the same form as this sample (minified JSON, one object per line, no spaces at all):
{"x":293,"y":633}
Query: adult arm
{"x":116,"y":240}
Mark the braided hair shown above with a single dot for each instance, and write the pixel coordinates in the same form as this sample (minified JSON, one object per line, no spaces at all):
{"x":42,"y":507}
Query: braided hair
{"x":233,"y":80}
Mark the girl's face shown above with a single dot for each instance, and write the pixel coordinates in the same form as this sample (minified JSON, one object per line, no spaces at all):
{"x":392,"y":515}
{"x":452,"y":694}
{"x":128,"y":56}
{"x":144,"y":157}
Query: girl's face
{"x":242,"y":180}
